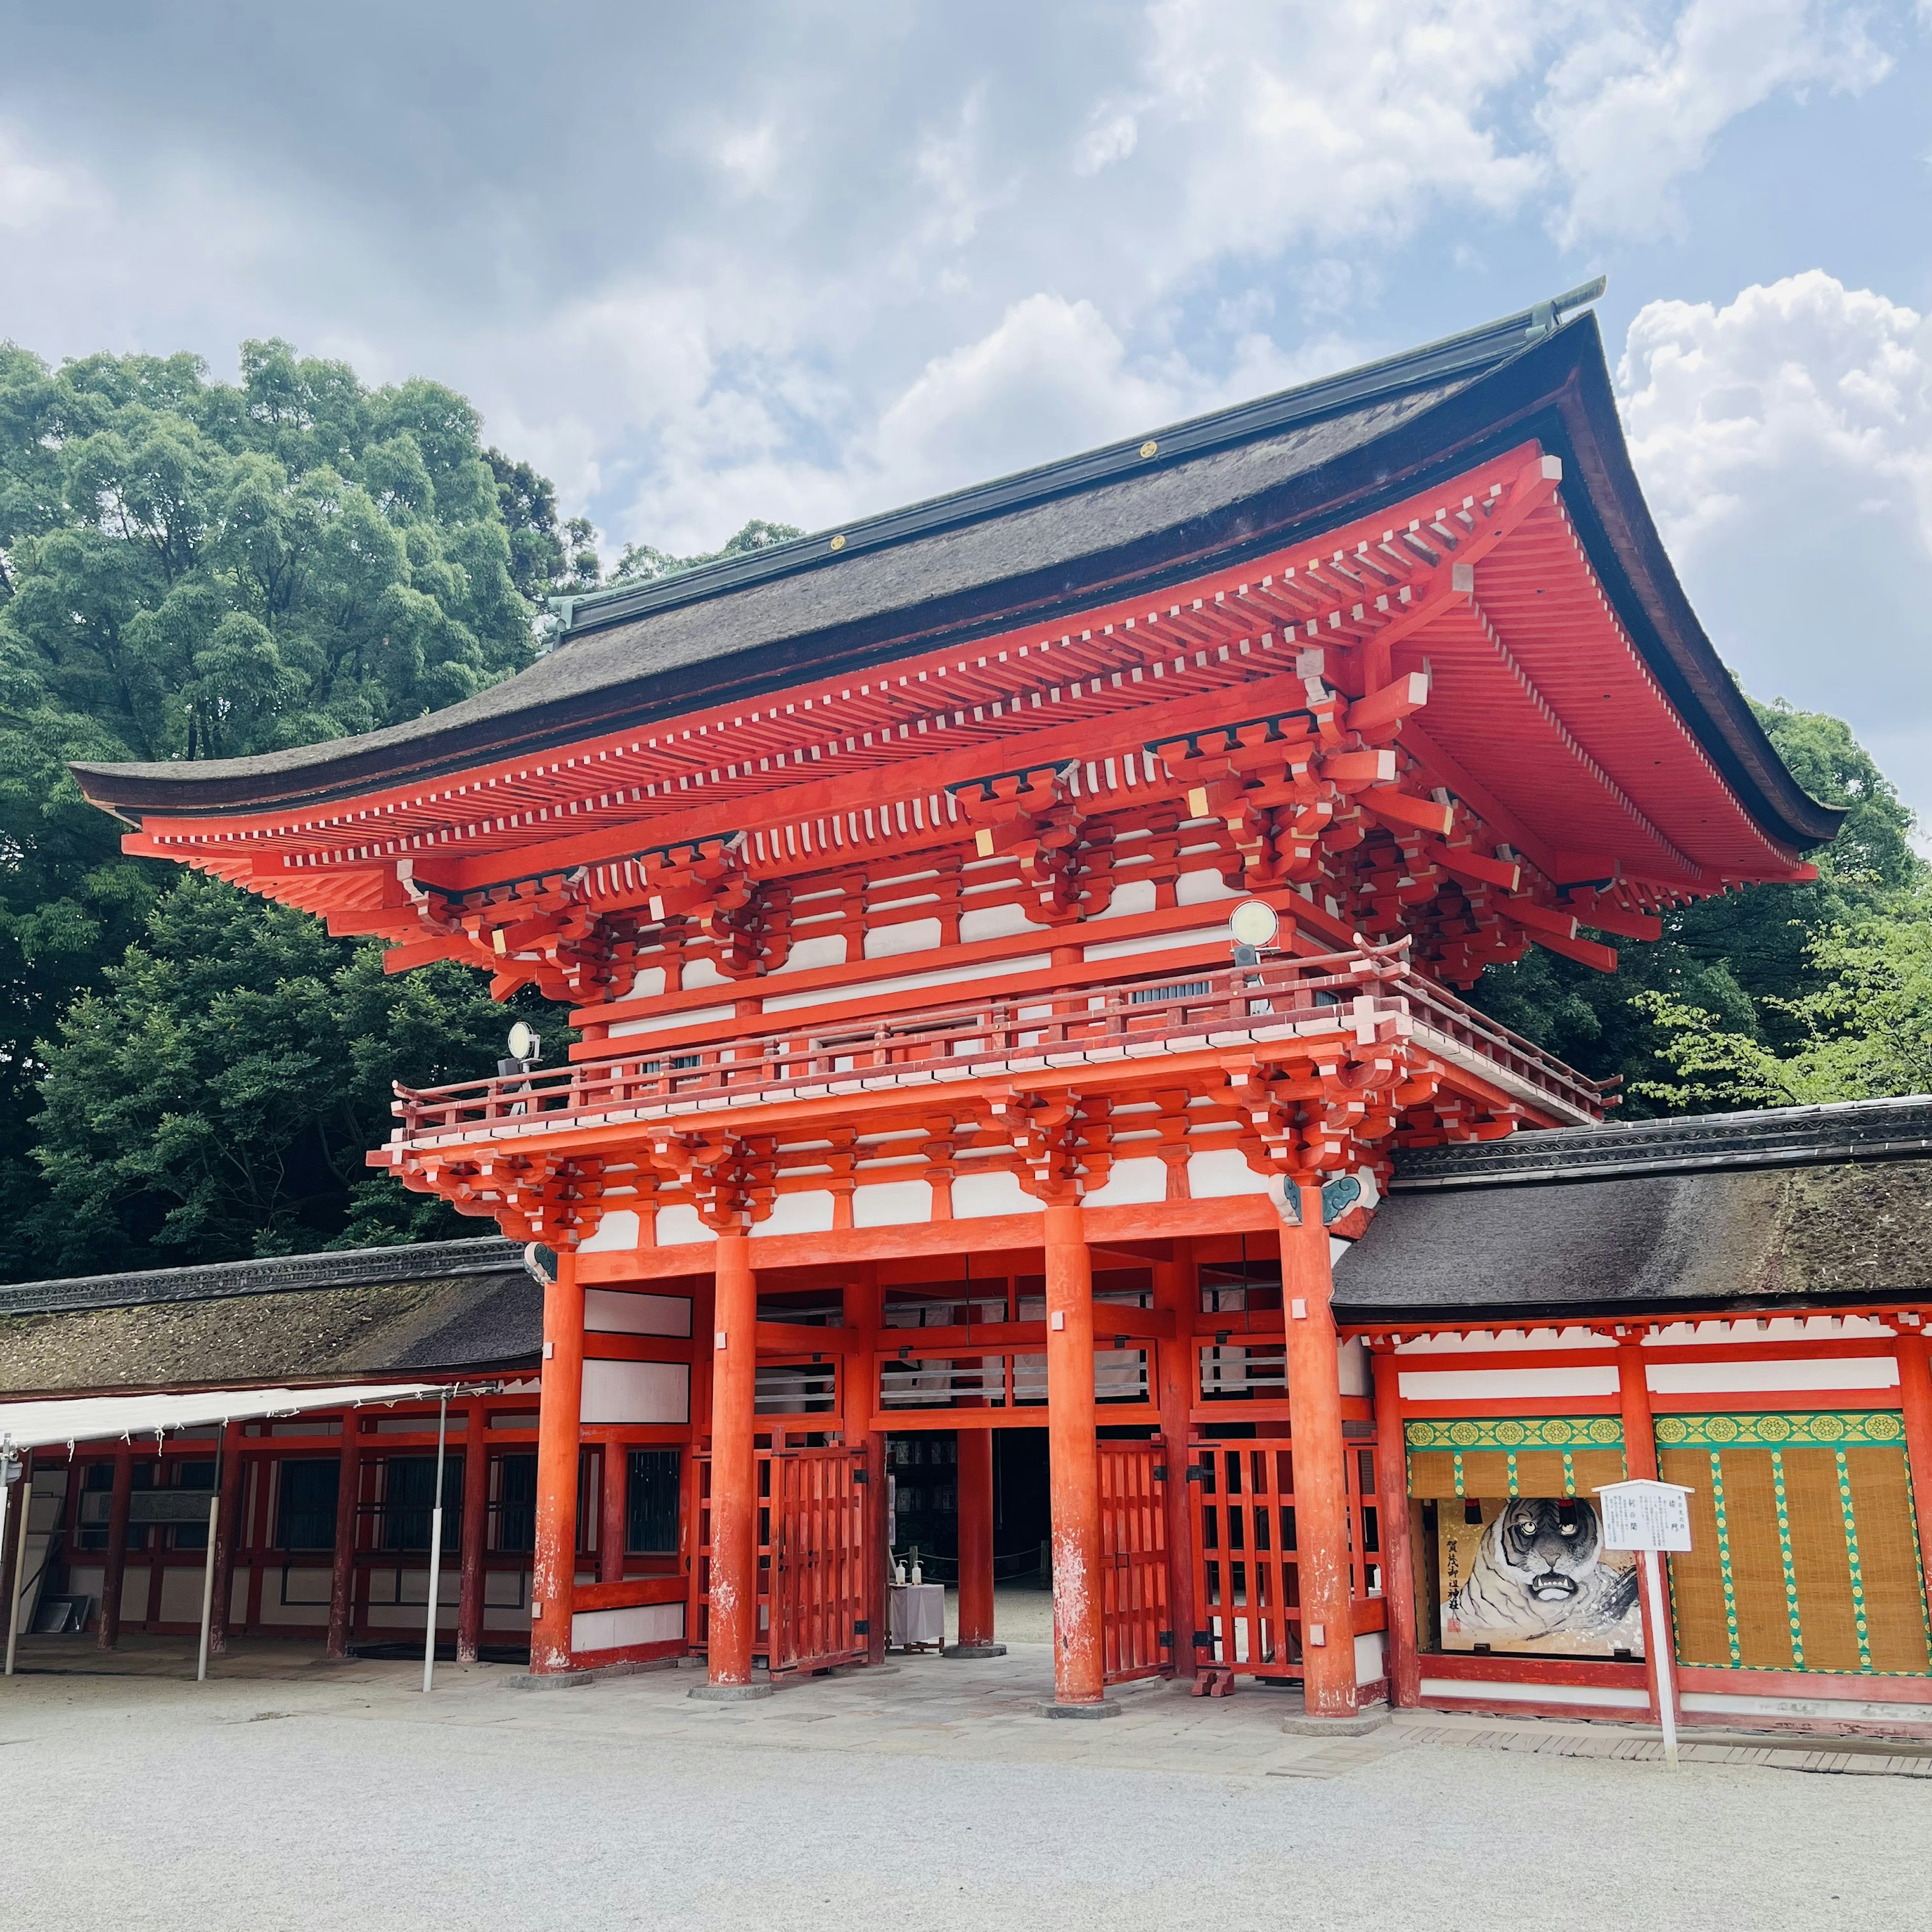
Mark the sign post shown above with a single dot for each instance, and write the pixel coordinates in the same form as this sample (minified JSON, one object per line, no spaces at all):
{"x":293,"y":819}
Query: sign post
{"x":1649,"y":1516}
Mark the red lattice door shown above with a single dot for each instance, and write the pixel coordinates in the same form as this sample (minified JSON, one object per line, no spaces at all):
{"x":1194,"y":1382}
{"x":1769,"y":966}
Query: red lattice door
{"x":1136,"y":1639}
{"x":816,"y":1559}
{"x":1246,"y":1591}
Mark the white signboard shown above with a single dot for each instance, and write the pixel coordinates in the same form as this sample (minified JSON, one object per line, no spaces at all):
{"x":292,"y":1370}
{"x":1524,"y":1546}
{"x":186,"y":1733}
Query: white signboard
{"x":1642,"y":1515}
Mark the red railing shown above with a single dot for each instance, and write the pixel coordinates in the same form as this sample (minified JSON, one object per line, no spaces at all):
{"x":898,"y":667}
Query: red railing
{"x":1357,"y":993}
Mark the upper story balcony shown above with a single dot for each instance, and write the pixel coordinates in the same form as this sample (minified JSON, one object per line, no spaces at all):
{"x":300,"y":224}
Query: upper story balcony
{"x":1101,"y":1040}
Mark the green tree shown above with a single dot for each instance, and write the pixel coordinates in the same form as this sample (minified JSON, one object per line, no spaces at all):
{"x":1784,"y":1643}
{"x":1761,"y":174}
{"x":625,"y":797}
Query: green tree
{"x":1746,"y":958}
{"x":216,"y":1097}
{"x":641,"y":563}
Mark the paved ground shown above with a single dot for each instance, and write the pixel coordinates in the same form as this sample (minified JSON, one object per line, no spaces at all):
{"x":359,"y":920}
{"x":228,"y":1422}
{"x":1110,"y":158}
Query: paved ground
{"x":291,"y":1792}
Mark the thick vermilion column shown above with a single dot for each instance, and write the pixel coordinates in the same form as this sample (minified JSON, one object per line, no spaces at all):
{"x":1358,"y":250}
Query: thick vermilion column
{"x":613,"y":1521}
{"x":112,"y":1583}
{"x":342,"y":1565}
{"x":1079,"y":1663}
{"x":1640,"y":1460}
{"x":858,"y":1382}
{"x":475,"y":1526}
{"x":1398,"y":1552}
{"x":1914,"y":1389}
{"x":226,"y":1529}
{"x":560,"y":1429}
{"x":1176,"y":1292}
{"x":975,"y":1540}
{"x":734,"y":1467}
{"x":1321,"y":1492}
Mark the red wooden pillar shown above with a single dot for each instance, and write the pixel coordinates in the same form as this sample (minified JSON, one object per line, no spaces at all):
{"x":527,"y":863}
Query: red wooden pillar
{"x":734,"y":1474}
{"x":1176,"y":1292}
{"x":1398,"y":1552}
{"x":859,"y":1371}
{"x":1640,"y":1460}
{"x":613,"y":1521}
{"x":342,"y":1567}
{"x":1079,"y":1662}
{"x":226,"y":1528}
{"x":560,"y":1433}
{"x":114,"y":1580}
{"x":1321,"y":1493}
{"x":975,"y":1546}
{"x":476,"y":1527}
{"x":1915,"y":1388}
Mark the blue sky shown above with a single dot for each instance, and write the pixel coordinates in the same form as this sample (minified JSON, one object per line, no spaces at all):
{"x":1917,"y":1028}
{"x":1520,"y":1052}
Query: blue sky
{"x":808,"y":260}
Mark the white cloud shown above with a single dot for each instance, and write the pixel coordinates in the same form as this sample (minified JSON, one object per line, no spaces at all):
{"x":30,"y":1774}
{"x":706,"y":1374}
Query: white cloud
{"x":1785,"y":443}
{"x":32,"y":193}
{"x":1634,"y":102}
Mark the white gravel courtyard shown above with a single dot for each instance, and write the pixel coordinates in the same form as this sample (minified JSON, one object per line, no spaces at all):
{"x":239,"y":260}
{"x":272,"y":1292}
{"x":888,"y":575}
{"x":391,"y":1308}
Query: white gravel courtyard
{"x":289,"y":1793}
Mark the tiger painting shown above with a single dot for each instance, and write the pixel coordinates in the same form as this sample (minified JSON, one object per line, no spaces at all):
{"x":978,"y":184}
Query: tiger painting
{"x":1538,"y":1578}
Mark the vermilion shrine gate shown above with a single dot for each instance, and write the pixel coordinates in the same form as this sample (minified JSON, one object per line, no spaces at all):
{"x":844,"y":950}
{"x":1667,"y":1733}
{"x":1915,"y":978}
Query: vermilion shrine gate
{"x":887,"y":875}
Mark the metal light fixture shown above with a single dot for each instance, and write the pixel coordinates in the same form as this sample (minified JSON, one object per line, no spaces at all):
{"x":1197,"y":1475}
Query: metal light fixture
{"x":1252,"y":926}
{"x":526,"y":1043}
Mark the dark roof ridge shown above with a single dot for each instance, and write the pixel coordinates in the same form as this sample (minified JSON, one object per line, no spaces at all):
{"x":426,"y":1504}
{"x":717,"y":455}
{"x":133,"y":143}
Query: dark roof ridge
{"x":1471,"y":349}
{"x":1820,"y":1135}
{"x":216,"y":1281}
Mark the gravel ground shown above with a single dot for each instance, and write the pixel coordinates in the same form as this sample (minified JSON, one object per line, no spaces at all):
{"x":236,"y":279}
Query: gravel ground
{"x":289,"y":1793}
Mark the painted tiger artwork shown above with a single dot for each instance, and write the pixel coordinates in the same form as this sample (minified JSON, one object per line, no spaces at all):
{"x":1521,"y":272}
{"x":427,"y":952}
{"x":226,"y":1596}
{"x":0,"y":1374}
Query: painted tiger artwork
{"x":1538,"y":1578}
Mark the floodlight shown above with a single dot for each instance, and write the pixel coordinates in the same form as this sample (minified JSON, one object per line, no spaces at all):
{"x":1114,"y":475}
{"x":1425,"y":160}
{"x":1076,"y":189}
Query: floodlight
{"x":1253,"y":922}
{"x":526,"y":1043}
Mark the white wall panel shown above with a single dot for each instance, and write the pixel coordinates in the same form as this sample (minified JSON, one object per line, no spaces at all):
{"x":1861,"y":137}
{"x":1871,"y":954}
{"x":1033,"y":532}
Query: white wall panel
{"x":636,"y":1391}
{"x":613,"y":1311}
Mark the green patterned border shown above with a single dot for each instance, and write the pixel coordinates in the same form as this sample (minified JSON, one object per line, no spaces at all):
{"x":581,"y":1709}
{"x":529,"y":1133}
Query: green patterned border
{"x":1831,"y":1428}
{"x":1554,"y":1431}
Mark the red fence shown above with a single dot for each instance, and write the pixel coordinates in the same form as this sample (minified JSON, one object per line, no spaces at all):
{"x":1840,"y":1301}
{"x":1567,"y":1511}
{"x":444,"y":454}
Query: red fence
{"x":1136,"y":1638}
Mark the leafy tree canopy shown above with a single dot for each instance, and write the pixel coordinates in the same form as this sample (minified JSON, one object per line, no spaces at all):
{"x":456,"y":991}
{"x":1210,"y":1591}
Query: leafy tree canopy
{"x":639,"y":563}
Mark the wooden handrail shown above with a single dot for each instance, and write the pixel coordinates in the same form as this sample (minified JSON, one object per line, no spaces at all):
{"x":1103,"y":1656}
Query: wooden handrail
{"x":1358,"y":992}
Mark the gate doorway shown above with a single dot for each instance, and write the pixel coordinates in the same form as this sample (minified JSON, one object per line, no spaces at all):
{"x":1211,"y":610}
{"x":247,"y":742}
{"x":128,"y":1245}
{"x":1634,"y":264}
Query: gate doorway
{"x":820,"y":1566}
{"x":1136,"y":1638}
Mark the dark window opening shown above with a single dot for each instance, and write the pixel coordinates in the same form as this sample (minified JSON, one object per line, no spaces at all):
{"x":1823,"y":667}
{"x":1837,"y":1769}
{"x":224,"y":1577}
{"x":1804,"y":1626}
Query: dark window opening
{"x":651,"y":1499}
{"x":305,"y":1510}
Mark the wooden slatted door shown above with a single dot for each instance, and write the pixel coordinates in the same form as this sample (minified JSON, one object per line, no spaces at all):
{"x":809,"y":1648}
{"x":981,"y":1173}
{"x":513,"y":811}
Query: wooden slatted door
{"x":816,"y":1559}
{"x":821,"y":1559}
{"x":1136,"y":1637}
{"x":1246,"y":1594}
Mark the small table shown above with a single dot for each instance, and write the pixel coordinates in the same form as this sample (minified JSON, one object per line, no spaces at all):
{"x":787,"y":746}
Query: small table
{"x":916,"y":1616}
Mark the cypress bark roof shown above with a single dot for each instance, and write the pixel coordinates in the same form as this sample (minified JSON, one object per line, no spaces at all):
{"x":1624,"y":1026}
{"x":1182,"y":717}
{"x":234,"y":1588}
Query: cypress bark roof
{"x":1738,"y":1211}
{"x":1105,"y":525}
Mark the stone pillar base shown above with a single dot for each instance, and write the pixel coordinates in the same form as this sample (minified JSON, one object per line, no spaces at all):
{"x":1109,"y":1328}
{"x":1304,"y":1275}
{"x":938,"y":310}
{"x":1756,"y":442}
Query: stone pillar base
{"x":1103,"y":1709}
{"x":1359,"y":1725}
{"x":975,"y":1650}
{"x":730,"y":1694}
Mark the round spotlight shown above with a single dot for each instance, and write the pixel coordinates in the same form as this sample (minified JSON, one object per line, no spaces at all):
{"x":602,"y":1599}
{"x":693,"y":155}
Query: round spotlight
{"x":526,"y":1043}
{"x":1253,"y":922}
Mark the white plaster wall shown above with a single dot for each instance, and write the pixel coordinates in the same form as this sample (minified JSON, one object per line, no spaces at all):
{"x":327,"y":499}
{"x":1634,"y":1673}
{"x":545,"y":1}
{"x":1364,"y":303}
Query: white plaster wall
{"x":1131,"y":896}
{"x":679,"y":1226}
{"x":1352,"y":1366}
{"x":637,"y":1623}
{"x":912,"y":935}
{"x":975,"y":1196}
{"x":612,"y":1311}
{"x":1219,"y":1172}
{"x":1369,"y":1664}
{"x":822,"y":949}
{"x":617,"y":1232}
{"x":1846,"y":1371}
{"x":893,"y":1203}
{"x":995,"y":921}
{"x":1505,"y":1385}
{"x":636,"y":1391}
{"x":1202,"y":887}
{"x":1131,"y":1183}
{"x":807,"y":1213}
{"x":663,"y":1022}
{"x":1487,"y":1692}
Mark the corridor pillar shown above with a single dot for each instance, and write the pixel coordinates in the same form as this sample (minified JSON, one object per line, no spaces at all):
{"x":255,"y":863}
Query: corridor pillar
{"x":1320,"y":1491}
{"x":1176,"y":1293}
{"x":112,"y":1583}
{"x":1398,"y":1553}
{"x":863,"y":1308}
{"x":227,"y":1527}
{"x":342,"y":1565}
{"x":1915,"y":1388}
{"x":560,"y":1429}
{"x":734,"y":1629}
{"x":975,"y":1546}
{"x":1079,"y":1663}
{"x":475,"y":1532}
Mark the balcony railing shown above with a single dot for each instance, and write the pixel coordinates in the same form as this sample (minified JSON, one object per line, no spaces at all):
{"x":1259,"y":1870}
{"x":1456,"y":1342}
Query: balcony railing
{"x":1372,"y":996}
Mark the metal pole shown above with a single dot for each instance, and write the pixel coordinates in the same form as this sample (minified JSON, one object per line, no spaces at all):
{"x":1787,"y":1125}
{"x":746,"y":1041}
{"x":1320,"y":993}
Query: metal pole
{"x":208,"y":1567}
{"x":1666,"y":1688}
{"x":19,"y":1568}
{"x":435,"y":1541}
{"x":6,"y":1496}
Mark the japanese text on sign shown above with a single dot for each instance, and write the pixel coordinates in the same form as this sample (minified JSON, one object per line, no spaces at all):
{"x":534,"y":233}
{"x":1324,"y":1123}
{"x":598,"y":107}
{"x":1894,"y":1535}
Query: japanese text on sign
{"x":1644,"y":1515}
